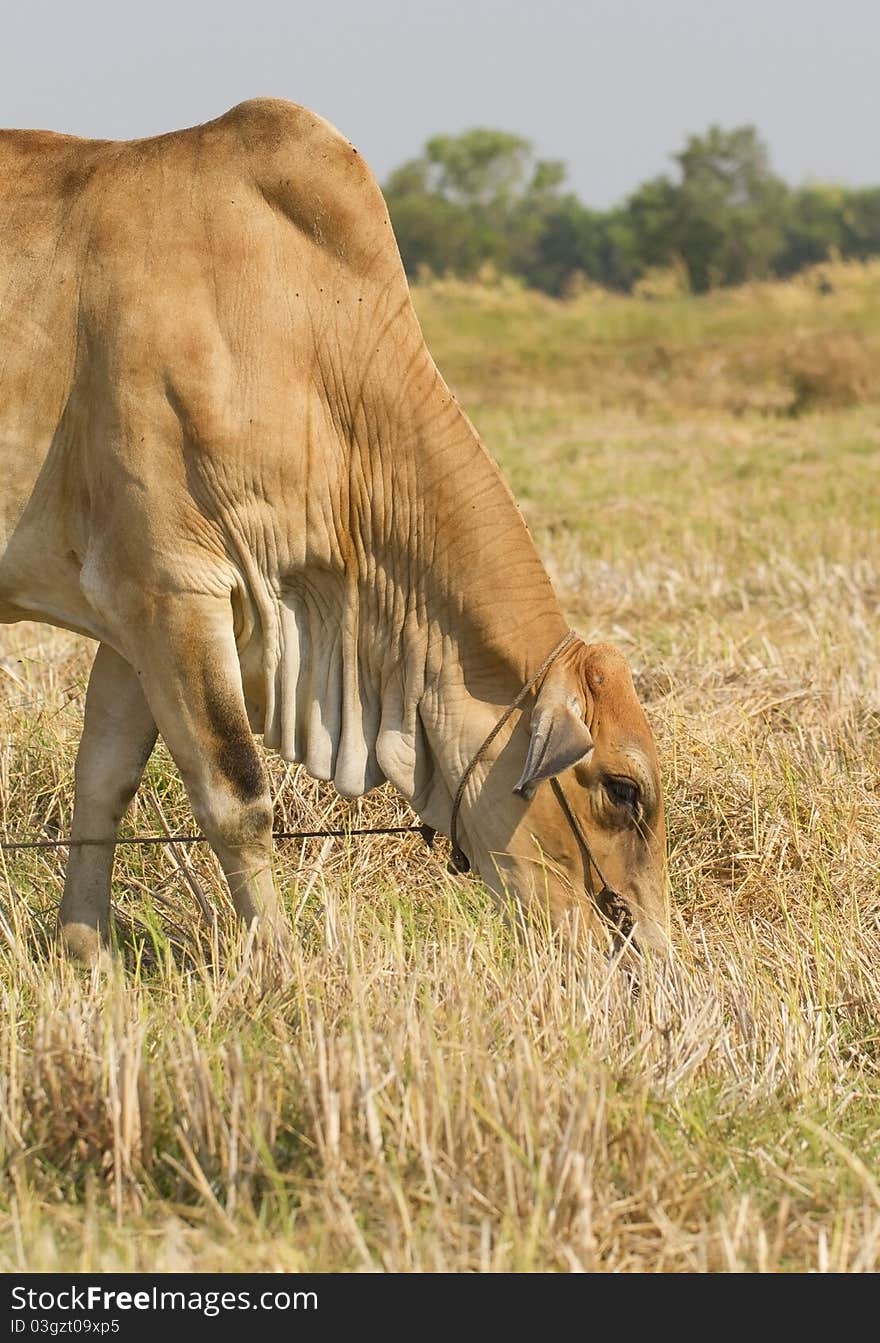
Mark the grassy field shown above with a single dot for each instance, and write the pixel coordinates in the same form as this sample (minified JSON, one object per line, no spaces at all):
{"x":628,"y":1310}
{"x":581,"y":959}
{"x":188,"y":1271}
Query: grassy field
{"x":419,"y":1089}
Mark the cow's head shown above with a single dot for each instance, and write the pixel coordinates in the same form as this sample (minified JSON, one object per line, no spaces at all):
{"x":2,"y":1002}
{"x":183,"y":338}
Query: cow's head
{"x":585,"y":748}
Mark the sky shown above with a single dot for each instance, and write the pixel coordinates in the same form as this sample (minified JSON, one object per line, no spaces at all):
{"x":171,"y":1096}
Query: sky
{"x":611,"y":87}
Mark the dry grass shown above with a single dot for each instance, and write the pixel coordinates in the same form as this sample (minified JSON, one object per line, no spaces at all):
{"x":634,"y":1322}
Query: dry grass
{"x":418,"y":1089}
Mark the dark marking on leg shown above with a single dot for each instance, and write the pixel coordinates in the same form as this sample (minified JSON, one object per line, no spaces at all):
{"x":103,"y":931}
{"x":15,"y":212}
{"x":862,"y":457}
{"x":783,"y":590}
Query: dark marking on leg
{"x":237,"y":756}
{"x":238,"y":760}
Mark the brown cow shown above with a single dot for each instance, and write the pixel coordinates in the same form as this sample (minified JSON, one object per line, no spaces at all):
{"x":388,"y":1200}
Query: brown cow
{"x":229,"y":458}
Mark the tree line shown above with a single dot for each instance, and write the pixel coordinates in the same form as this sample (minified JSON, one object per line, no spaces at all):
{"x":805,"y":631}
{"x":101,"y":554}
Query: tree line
{"x":723,"y":218}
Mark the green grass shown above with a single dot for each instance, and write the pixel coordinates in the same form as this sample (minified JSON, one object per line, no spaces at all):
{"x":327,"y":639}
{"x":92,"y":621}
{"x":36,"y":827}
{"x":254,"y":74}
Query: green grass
{"x":417,"y":1088}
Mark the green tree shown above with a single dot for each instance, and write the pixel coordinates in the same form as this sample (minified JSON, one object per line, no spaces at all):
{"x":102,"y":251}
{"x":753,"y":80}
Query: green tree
{"x":815,"y":226}
{"x":860,"y":234}
{"x":652,"y":215}
{"x":471,"y":198}
{"x":481,"y":168}
{"x":731,"y":209}
{"x":438,"y":234}
{"x":565,"y":239}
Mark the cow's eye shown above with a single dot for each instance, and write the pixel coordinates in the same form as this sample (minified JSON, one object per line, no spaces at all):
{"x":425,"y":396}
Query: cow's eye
{"x":623,"y":792}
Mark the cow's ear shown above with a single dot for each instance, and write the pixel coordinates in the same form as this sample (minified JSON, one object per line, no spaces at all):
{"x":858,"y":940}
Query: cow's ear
{"x":559,"y":736}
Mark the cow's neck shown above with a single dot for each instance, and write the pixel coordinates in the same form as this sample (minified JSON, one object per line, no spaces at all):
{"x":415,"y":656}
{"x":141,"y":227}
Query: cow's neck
{"x":475,"y":613}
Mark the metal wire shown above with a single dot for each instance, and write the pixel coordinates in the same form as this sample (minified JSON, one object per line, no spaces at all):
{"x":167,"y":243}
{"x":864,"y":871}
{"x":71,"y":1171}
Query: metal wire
{"x":11,"y":846}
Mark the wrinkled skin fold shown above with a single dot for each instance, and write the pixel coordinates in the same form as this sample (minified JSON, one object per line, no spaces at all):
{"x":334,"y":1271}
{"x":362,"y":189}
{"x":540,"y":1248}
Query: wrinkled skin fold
{"x":229,"y":458}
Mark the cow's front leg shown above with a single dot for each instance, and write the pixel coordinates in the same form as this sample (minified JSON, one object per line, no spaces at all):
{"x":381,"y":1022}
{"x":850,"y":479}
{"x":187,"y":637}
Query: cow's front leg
{"x":118,"y":736}
{"x":191,"y":678}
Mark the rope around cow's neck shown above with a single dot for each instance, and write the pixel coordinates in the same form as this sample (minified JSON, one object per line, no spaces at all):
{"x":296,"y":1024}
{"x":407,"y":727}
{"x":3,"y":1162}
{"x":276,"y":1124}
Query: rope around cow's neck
{"x":607,"y":899}
{"x":459,"y":859}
